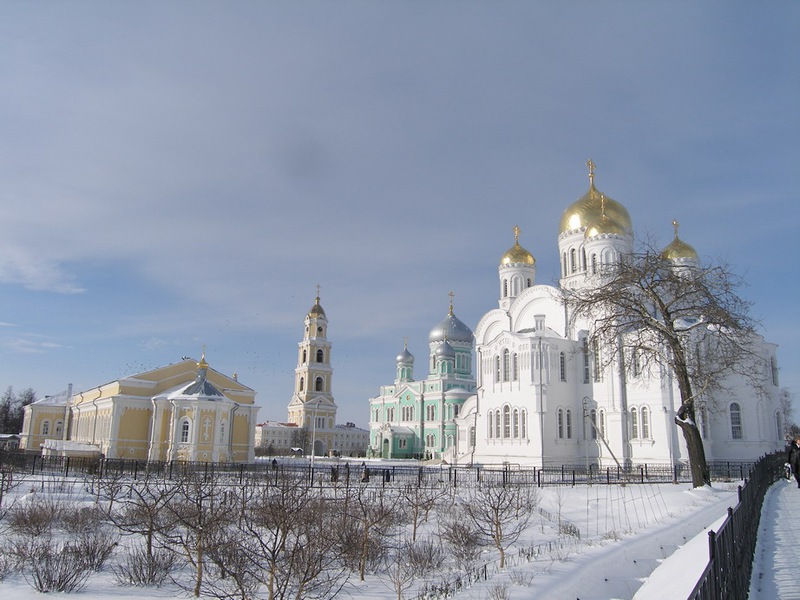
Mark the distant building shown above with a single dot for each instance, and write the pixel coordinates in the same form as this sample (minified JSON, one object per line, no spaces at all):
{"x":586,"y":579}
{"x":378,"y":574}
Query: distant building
{"x":311,"y":426}
{"x":416,"y":419}
{"x":183,"y":411}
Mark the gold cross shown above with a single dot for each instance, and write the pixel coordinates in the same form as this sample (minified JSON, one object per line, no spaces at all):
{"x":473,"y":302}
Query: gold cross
{"x":591,"y":165}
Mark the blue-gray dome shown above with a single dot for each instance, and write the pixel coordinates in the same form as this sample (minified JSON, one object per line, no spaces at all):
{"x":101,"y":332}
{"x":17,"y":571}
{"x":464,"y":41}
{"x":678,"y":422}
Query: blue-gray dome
{"x":445,"y":350}
{"x":405,"y":357}
{"x":451,"y":329}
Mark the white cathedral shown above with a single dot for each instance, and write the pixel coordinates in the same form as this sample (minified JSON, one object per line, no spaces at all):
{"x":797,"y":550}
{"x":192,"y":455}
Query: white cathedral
{"x":541,"y":397}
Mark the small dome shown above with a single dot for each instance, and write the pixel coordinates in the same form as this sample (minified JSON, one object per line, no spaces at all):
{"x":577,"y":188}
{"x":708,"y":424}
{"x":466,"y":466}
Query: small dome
{"x":517,"y":254}
{"x":445,"y":350}
{"x":590,"y":208}
{"x":316,"y":310}
{"x":405,"y":357}
{"x":678,"y":249}
{"x":450,"y":328}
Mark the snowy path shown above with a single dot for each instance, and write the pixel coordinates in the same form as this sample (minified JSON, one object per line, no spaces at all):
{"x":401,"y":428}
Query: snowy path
{"x":777,"y":554}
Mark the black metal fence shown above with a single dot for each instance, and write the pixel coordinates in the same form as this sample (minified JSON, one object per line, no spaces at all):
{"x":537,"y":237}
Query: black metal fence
{"x":731,"y":548}
{"x":374,"y":473}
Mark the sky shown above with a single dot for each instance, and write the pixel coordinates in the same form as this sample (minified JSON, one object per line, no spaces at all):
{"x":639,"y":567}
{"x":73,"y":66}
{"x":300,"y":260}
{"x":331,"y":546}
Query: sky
{"x":177,"y":176}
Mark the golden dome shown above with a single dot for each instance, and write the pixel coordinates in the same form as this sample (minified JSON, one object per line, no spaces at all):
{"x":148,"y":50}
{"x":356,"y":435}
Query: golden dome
{"x":605,"y":225}
{"x":592,"y":207}
{"x":517,"y":254}
{"x":678,"y":249}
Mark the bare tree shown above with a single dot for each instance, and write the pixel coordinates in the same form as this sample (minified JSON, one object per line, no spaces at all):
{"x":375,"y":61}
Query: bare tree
{"x":143,"y":509}
{"x":686,"y":318}
{"x":286,"y":541}
{"x":786,"y":409}
{"x":200,"y":512}
{"x":419,"y":500}
{"x":367,"y":523}
{"x":500,"y":513}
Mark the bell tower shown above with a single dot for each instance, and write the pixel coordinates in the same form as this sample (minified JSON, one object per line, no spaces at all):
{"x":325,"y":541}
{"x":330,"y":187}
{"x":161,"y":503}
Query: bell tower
{"x":312,"y":405}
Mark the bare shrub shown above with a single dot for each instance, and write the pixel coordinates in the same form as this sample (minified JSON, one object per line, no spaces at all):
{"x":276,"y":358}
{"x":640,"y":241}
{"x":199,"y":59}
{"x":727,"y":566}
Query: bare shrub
{"x":424,"y":556}
{"x":55,"y":567}
{"x":498,"y":591}
{"x":34,"y":517}
{"x":96,"y":547}
{"x":522,"y":578}
{"x":138,"y":567}
{"x":82,"y":519}
{"x":464,"y":541}
{"x":7,"y":564}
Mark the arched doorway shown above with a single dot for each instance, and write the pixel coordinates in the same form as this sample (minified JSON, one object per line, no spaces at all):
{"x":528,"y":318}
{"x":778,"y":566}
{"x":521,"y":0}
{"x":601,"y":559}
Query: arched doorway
{"x":319,"y":448}
{"x":385,"y":449}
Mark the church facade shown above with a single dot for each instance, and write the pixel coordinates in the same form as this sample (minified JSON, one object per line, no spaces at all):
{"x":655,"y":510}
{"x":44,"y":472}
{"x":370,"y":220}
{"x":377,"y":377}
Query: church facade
{"x":417,"y":419}
{"x":184,"y":411}
{"x":544,"y":397}
{"x":541,"y":396}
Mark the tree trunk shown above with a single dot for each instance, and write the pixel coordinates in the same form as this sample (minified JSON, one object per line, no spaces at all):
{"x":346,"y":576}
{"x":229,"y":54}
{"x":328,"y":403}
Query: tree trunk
{"x":697,"y":454}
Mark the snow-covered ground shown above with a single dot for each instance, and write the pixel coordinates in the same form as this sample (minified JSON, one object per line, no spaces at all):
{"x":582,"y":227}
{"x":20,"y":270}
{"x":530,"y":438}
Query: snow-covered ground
{"x":636,"y":541}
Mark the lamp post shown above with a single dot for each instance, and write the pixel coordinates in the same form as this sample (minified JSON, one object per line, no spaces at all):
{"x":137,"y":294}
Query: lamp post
{"x":314,"y":437}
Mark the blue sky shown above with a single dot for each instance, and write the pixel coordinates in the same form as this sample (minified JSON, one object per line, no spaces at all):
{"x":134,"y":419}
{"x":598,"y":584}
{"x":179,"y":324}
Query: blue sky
{"x":176,"y":175}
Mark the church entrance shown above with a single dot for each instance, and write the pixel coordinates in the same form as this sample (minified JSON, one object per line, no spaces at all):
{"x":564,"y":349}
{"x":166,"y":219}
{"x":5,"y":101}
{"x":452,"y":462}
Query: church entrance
{"x":319,"y":448}
{"x":385,"y":449}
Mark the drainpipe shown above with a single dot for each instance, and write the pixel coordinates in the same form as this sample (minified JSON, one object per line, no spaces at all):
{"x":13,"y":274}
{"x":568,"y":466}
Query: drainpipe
{"x":234,"y":408}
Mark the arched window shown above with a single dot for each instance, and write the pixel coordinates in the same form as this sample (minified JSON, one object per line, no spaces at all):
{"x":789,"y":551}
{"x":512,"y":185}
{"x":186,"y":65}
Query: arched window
{"x":569,"y":424}
{"x":583,"y":259}
{"x":497,"y":369}
{"x":645,"y":416}
{"x":524,"y":424}
{"x":318,"y":384}
{"x":471,"y":437}
{"x":573,"y":263}
{"x":390,"y":414}
{"x":222,"y":432}
{"x":305,"y":356}
{"x":59,"y":430}
{"x":490,"y":428}
{"x":505,"y":288}
{"x":302,"y":383}
{"x":602,"y":423}
{"x":320,"y":356}
{"x":562,"y":366}
{"x":596,"y":355}
{"x":506,"y":422}
{"x":634,"y":424}
{"x":560,"y":416}
{"x":586,"y":369}
{"x":46,"y":428}
{"x":594,"y":264}
{"x":186,"y":428}
{"x":736,"y":421}
{"x":593,"y":424}
{"x":497,"y":423}
{"x":430,"y":413}
{"x":506,"y":365}
{"x":430,"y":440}
{"x":703,"y":414}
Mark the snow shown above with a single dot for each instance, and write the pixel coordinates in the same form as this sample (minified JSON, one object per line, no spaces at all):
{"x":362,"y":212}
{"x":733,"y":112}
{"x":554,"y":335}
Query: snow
{"x":643,"y":542}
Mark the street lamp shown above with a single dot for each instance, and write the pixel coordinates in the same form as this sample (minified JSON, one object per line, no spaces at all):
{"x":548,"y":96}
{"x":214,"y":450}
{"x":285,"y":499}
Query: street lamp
{"x":314,"y":437}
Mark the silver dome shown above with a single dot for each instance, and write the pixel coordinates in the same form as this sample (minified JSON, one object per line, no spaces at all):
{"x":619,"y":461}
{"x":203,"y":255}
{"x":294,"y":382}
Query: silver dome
{"x":405,"y":357}
{"x":451,"y":329}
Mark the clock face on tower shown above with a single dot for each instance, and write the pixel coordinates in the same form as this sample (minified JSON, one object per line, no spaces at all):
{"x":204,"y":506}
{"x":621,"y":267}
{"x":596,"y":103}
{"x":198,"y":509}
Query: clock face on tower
{"x":319,"y":329}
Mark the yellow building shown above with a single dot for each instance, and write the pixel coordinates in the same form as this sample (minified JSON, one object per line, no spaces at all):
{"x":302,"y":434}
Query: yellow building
{"x":183,"y":411}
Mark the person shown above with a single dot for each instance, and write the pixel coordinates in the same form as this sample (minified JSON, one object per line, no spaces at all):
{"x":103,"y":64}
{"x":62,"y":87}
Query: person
{"x":793,"y":458}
